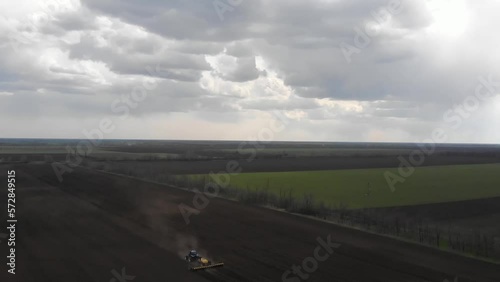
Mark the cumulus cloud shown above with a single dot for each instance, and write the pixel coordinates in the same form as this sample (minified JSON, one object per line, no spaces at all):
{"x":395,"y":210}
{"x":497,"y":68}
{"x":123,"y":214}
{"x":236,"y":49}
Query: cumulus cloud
{"x":66,"y":62}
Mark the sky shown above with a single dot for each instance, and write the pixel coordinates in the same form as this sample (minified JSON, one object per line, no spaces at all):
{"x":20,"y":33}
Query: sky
{"x":324,"y":70}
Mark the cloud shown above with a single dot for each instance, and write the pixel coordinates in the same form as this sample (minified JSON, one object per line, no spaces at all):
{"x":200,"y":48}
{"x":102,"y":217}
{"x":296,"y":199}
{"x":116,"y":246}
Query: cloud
{"x":62,"y":61}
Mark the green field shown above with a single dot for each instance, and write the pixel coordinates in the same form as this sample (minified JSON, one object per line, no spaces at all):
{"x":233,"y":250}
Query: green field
{"x":368,"y":188}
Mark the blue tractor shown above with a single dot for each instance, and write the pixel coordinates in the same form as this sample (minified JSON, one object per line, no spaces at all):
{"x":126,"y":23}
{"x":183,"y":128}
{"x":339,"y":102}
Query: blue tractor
{"x":196,"y":262}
